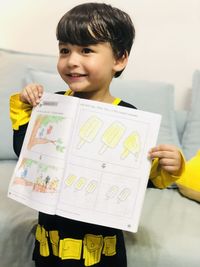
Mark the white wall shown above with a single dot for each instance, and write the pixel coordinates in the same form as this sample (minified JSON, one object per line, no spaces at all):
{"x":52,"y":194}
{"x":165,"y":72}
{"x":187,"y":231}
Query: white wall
{"x":167,"y":36}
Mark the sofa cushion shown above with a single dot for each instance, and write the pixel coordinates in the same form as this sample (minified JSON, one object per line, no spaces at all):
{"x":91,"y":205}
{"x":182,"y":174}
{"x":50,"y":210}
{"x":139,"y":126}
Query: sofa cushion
{"x":17,"y":224}
{"x":181,"y":118}
{"x":149,"y":96}
{"x":51,"y":81}
{"x":168,"y":235}
{"x":191,"y":135}
{"x":154,"y":97}
{"x":13,"y":69}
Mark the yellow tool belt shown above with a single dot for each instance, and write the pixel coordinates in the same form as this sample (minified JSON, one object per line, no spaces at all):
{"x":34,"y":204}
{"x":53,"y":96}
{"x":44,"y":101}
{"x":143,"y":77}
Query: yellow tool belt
{"x":90,"y":248}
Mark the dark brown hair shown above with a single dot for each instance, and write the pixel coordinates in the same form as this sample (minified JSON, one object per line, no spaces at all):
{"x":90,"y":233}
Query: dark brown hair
{"x":92,"y":23}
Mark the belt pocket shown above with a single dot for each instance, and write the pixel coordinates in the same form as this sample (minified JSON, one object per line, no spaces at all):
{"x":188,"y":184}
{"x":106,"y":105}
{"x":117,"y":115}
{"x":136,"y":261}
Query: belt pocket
{"x":109,"y":245}
{"x":41,"y":236}
{"x":93,"y":245}
{"x":54,"y":239}
{"x":70,"y":249}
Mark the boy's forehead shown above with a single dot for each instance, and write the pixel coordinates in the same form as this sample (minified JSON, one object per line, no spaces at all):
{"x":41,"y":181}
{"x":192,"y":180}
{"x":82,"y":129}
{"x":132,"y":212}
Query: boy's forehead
{"x":61,"y":43}
{"x":107,"y":44}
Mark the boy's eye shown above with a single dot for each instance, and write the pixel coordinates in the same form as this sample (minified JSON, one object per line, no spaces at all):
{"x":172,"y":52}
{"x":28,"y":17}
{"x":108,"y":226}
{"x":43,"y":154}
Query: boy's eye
{"x":64,"y":51}
{"x":86,"y":50}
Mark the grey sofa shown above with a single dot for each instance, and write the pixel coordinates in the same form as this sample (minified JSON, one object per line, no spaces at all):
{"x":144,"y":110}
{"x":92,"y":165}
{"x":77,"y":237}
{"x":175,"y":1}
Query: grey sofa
{"x":169,"y":231}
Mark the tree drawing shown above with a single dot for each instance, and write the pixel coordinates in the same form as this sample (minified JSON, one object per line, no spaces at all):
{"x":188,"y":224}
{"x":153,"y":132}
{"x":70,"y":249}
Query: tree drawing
{"x":41,"y":122}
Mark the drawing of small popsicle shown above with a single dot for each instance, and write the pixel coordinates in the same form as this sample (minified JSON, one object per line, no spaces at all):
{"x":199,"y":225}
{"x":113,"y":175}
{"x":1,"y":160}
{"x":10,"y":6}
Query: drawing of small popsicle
{"x":80,"y":183}
{"x":91,"y":186}
{"x":70,"y":179}
{"x":112,"y":191}
{"x":131,"y":145}
{"x":124,"y":194}
{"x":112,"y":136}
{"x":89,"y":130}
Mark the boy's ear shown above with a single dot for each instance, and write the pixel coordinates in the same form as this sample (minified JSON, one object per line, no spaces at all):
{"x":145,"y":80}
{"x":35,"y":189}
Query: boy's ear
{"x":120,"y":63}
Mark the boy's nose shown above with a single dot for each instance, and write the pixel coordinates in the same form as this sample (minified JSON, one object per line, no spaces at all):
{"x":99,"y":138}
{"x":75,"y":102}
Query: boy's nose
{"x":73,"y":59}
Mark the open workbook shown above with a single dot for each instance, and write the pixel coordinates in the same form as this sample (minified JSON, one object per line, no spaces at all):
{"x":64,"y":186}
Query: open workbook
{"x":86,"y":160}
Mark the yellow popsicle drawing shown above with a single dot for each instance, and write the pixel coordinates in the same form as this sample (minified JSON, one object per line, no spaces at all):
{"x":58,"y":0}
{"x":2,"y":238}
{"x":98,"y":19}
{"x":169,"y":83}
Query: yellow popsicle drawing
{"x":80,"y":183}
{"x":131,"y":145}
{"x":112,"y":191}
{"x":112,"y":136}
{"x":91,"y":186}
{"x":70,"y":179}
{"x":89,"y":130}
{"x":124,"y":194}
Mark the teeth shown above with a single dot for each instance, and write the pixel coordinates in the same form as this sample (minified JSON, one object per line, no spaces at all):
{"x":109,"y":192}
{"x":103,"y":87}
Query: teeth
{"x":76,"y":75}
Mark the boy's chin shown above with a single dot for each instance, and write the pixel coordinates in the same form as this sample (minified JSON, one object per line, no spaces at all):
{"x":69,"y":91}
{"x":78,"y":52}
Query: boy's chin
{"x":78,"y":89}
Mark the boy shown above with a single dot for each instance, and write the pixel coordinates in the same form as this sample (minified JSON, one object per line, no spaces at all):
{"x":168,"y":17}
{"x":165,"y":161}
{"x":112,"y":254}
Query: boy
{"x":94,"y":44}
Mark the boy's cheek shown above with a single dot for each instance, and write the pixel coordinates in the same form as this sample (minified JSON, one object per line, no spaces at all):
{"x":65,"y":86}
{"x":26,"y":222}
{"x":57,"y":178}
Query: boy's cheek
{"x":60,"y":67}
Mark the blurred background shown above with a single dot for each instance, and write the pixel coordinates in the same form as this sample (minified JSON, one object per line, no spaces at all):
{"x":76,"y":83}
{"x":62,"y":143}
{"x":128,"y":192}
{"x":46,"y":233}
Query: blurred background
{"x":167,"y":40}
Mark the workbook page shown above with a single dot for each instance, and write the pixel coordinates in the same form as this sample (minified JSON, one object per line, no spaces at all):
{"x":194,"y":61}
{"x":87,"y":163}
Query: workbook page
{"x":38,"y":174}
{"x":107,"y":168}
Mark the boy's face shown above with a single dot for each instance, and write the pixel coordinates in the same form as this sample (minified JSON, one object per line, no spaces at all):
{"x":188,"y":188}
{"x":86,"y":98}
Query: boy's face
{"x":88,"y":69}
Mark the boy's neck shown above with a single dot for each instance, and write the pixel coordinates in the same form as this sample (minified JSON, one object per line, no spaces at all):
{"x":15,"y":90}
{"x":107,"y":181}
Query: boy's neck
{"x":106,"y":98}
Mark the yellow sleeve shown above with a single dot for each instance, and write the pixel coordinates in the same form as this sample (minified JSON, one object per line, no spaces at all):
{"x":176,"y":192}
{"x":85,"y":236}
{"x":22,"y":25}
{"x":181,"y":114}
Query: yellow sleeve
{"x":161,"y":178}
{"x":19,"y":112}
{"x":191,"y":177}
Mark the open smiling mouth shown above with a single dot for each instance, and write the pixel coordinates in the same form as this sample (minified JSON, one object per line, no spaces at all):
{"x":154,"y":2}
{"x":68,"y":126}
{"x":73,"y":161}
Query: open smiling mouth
{"x":76,"y":75}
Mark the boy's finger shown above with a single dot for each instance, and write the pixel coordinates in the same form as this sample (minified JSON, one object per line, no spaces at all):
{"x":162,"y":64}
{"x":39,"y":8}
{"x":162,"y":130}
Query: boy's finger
{"x":162,"y":154}
{"x":31,"y":95}
{"x":163,"y":147}
{"x":40,"y":90}
{"x":170,"y":169}
{"x":26,"y":96}
{"x":167,"y":162}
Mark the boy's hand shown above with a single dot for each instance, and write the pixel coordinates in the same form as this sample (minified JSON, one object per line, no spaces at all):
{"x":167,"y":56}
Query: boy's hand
{"x":169,"y":157}
{"x":31,"y":94}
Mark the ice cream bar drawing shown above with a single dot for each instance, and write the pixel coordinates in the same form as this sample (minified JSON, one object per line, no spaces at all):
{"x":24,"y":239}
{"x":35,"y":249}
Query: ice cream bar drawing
{"x":124,"y":194}
{"x":112,"y":191}
{"x":131,"y":145}
{"x":112,"y":136}
{"x":70,"y":179}
{"x":80,"y":183}
{"x":89,"y":130}
{"x":91,"y":186}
